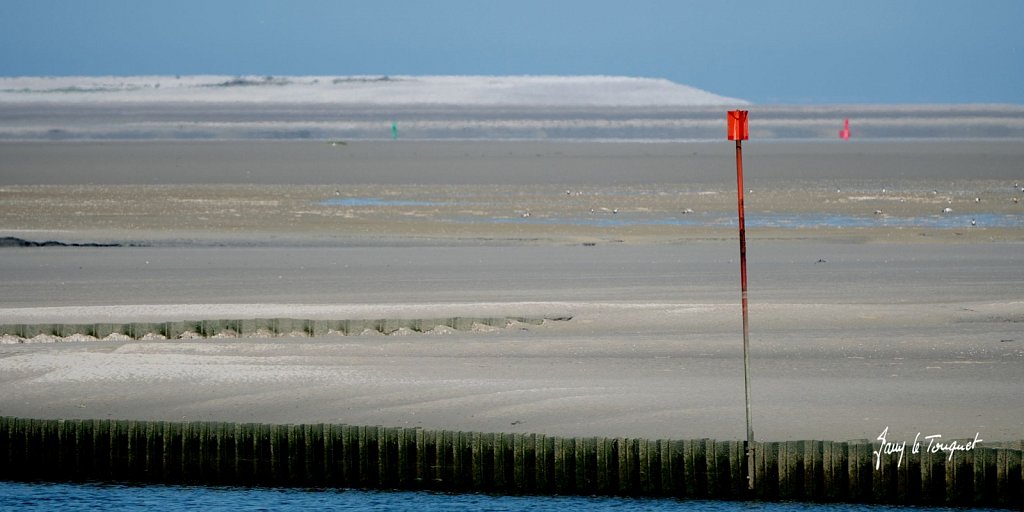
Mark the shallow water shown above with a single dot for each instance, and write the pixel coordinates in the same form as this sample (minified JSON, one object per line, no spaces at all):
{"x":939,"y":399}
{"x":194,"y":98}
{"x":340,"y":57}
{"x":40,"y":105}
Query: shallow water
{"x":372,"y":201}
{"x":773,"y":220}
{"x":70,"y":497}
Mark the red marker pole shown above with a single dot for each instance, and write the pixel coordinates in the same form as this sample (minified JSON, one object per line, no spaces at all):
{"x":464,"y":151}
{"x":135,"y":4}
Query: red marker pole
{"x":738,"y":131}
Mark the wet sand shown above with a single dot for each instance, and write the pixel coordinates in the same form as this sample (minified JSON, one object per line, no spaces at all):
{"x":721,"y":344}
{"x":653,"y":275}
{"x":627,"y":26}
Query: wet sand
{"x":912,"y":325}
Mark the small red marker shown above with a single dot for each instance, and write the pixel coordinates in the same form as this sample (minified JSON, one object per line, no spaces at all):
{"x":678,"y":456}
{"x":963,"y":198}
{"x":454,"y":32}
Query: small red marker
{"x":845,"y":132}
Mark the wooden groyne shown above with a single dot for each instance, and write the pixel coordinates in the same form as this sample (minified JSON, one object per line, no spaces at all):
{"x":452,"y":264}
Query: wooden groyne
{"x":262,"y":327}
{"x":328,"y":455}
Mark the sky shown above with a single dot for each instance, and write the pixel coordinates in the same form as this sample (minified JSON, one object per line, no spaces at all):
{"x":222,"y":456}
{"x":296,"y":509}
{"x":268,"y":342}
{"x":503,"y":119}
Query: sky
{"x":790,"y":52}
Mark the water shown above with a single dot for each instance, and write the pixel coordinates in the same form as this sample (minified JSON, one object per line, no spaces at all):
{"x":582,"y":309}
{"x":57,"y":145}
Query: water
{"x":753,"y":220}
{"x":373,"y":201}
{"x":773,"y":220}
{"x":70,"y":497}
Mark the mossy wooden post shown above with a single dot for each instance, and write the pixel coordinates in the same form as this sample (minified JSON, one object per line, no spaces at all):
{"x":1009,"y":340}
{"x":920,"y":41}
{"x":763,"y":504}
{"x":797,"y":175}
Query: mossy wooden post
{"x":501,"y":481}
{"x":451,"y":465}
{"x":981,"y":466}
{"x":855,"y":486}
{"x":422,"y":474}
{"x":8,"y":447}
{"x":209,"y":462}
{"x":394,"y":457}
{"x":63,"y":468}
{"x":172,"y":450}
{"x":811,"y":470}
{"x":1008,"y":477}
{"x":710,"y":469}
{"x":311,"y":470}
{"x":261,"y":452}
{"x":477,"y":460}
{"x":203,"y":456}
{"x":677,"y":475}
{"x":883,"y":478}
{"x":61,"y":463}
{"x":245,"y":453}
{"x":456,"y":466}
{"x":344,"y":466}
{"x":21,"y":441}
{"x":723,"y":469}
{"x":466,"y":463}
{"x":934,"y":484}
{"x":191,"y":451}
{"x":29,"y":441}
{"x":118,"y":450}
{"x":903,"y":478}
{"x":787,"y":459}
{"x":375,"y":444}
{"x":623,"y":461}
{"x":367,"y":456}
{"x":643,"y":463}
{"x":151,"y":433}
{"x":519,"y":470}
{"x":361,"y":453}
{"x":963,"y":472}
{"x":826,"y":479}
{"x":542,"y":476}
{"x":47,"y":444}
{"x":533,"y":460}
{"x":661,"y":469}
{"x":664,"y":484}
{"x":445,"y":469}
{"x":135,"y":462}
{"x":32,"y":465}
{"x":773,"y":458}
{"x":697,"y":468}
{"x":632,"y":466}
{"x":410,"y":451}
{"x":403,"y":459}
{"x":356,"y":456}
{"x":602,"y":455}
{"x":583,"y":464}
{"x":453,"y":472}
{"x":225,"y":434}
{"x":738,"y":471}
{"x":19,"y":448}
{"x":561,"y":479}
{"x":297,"y":446}
{"x":83,"y":449}
{"x":330,"y":469}
{"x":688,"y":486}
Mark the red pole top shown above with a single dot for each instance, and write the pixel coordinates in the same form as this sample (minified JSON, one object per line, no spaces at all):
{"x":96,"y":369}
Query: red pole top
{"x":738,"y":125}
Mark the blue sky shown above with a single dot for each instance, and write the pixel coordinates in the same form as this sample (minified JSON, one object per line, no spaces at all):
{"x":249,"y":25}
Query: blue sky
{"x":798,"y":51}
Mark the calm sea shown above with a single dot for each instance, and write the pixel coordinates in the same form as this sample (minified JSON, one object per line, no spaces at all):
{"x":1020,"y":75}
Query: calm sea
{"x":69,"y":497}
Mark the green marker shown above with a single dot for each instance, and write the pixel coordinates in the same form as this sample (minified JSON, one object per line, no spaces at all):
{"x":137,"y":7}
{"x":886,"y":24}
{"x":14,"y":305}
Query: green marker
{"x":394,"y":130}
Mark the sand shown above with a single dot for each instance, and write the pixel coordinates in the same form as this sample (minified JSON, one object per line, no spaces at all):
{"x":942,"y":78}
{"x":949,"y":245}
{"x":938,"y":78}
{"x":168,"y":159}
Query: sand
{"x":908,"y":318}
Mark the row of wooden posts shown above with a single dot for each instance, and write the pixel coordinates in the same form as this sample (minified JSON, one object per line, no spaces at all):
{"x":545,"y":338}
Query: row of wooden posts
{"x":262,"y":327}
{"x":330,"y":455}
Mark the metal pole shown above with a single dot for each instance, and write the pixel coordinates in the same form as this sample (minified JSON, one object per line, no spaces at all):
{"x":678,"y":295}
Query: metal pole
{"x":746,"y":330}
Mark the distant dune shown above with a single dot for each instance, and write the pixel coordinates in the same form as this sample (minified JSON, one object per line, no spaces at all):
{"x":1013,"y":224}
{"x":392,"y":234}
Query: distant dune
{"x":365,"y":90}
{"x":448,"y":107}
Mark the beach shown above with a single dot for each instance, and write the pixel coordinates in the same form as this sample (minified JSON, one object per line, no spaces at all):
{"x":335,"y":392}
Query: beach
{"x":870,"y":307}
